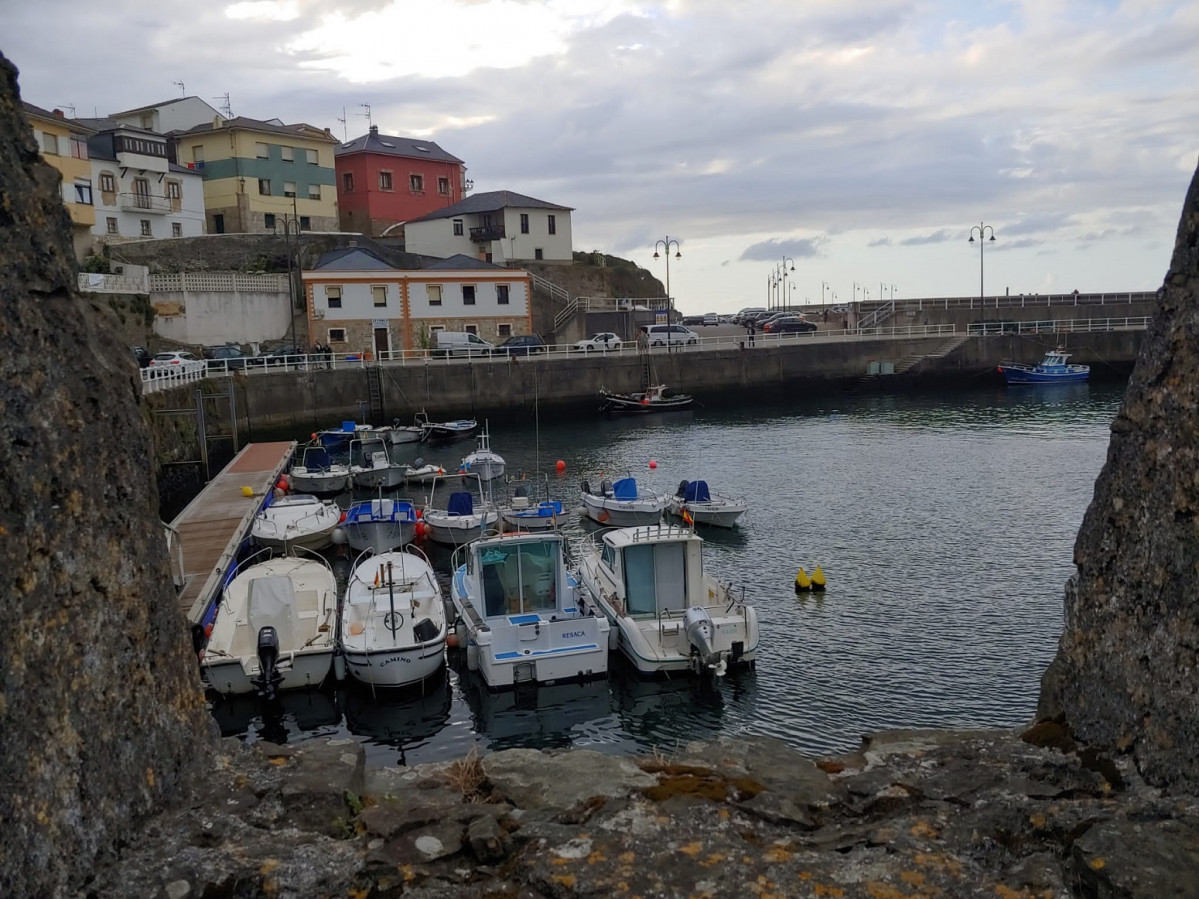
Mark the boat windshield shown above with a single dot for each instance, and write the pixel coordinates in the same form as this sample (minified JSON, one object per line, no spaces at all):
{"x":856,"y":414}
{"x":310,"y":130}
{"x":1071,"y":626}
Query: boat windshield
{"x":520,"y":578}
{"x":655,"y":578}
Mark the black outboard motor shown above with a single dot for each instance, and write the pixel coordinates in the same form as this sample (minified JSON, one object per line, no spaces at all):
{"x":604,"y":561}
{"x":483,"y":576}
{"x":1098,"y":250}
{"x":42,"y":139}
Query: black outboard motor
{"x":419,"y":462}
{"x":682,"y":488}
{"x":585,"y":487}
{"x":268,"y":661}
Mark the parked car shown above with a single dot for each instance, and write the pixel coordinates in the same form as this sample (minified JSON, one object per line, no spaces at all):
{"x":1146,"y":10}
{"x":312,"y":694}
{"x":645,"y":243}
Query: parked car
{"x":175,"y":362}
{"x":710,"y":318}
{"x":225,"y":357}
{"x":693,"y":320}
{"x":521,"y":345}
{"x":662,"y":335}
{"x":603,"y":341}
{"x":791,"y":326}
{"x":142,"y":355}
{"x":742,"y":316}
{"x":460,"y":343}
{"x":280,"y":354}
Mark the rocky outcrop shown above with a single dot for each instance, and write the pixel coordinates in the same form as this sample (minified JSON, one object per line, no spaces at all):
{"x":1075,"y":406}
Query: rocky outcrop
{"x":1126,"y":673}
{"x":100,"y":705}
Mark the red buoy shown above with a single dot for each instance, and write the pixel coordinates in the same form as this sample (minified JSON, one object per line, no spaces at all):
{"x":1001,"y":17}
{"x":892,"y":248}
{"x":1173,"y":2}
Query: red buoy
{"x":560,"y":465}
{"x":652,"y":464}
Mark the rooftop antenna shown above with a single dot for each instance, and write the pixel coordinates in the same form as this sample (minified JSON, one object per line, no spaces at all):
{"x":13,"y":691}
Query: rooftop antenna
{"x":182,"y":89}
{"x":70,"y":106}
{"x":345,"y":134}
{"x":227,"y":108}
{"x":367,"y":107}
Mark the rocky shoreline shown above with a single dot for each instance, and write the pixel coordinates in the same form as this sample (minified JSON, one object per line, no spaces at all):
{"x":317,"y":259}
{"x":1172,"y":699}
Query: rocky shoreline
{"x":912,"y":813}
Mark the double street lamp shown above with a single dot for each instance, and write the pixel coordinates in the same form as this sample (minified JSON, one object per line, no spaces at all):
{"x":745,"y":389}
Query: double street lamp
{"x":780,"y":274}
{"x":666,"y":244}
{"x":983,"y":231}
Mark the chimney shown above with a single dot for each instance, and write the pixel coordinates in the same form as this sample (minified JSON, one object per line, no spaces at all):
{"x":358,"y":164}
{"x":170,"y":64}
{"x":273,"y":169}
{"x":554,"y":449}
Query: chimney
{"x":58,"y":112}
{"x":374,"y":129}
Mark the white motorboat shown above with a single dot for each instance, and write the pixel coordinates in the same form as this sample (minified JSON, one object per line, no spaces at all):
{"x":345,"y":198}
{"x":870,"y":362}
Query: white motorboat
{"x":316,"y":472}
{"x":622,"y":504}
{"x":274,"y":627}
{"x":484,"y":461}
{"x":406,"y":433}
{"x":523,"y":513}
{"x":519,"y":614}
{"x":371,"y":466}
{"x":460,"y":521}
{"x":380,"y":525}
{"x":393,"y":625}
{"x":668,"y":612}
{"x":696,"y":504}
{"x":420,"y":472}
{"x":299,"y":519}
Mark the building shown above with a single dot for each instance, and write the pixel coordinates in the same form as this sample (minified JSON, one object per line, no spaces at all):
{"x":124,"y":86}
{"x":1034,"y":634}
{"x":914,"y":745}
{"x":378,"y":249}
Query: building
{"x":178,"y":114}
{"x":262,"y":176}
{"x":63,"y":143}
{"x":139,"y":194}
{"x":358,"y":302}
{"x":501,"y":226}
{"x":383,"y":181}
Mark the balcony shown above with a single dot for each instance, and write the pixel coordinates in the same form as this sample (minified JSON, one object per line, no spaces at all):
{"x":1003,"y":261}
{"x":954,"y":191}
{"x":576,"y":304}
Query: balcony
{"x":144,"y":203}
{"x":487,"y":232}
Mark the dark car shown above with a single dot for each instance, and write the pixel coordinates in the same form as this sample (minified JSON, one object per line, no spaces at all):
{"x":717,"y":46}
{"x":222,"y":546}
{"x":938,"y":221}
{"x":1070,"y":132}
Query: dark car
{"x":142,"y":355}
{"x":225,"y":358}
{"x":791,"y":326}
{"x":284,"y":353}
{"x":520,"y":345}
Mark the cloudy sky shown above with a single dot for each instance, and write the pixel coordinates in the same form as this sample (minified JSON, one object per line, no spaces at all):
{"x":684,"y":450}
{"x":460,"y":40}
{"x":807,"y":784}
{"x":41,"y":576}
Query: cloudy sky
{"x":860,"y":139}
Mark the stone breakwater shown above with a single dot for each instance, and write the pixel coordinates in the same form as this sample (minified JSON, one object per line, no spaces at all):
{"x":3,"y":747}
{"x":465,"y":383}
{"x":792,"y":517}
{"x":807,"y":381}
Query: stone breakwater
{"x":912,"y":813}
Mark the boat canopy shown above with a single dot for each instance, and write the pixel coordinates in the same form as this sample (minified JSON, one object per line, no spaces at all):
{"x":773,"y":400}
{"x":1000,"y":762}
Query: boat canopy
{"x":625,"y":488}
{"x":270,"y":605}
{"x":461,"y":503}
{"x":317,"y":457}
{"x":697,"y":492}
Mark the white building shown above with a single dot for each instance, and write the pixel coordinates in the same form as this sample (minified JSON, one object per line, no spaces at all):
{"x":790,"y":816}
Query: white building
{"x":178,"y":114}
{"x":138,"y":193}
{"x":500,"y":226}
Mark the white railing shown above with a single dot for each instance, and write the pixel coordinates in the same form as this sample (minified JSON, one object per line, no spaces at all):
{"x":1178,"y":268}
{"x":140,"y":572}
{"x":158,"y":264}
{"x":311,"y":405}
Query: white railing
{"x":157,"y":378}
{"x":218,"y":281}
{"x":1022,"y":301}
{"x":1068,"y":326}
{"x":93,"y":282}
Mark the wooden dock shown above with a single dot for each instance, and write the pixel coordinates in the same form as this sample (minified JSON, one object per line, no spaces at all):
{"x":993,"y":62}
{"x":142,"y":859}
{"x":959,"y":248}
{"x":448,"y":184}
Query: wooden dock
{"x":212,"y":527}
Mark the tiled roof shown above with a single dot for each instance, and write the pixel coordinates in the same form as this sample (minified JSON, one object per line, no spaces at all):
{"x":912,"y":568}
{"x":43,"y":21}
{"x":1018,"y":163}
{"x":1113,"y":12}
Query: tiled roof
{"x":491,"y":201}
{"x":49,"y":114}
{"x":388,"y":145}
{"x":301,"y":130}
{"x":460,"y":261}
{"x":352,"y":259}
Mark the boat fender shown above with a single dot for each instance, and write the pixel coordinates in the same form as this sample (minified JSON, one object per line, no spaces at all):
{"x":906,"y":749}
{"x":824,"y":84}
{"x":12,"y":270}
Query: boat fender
{"x":585,"y":487}
{"x":342,"y":519}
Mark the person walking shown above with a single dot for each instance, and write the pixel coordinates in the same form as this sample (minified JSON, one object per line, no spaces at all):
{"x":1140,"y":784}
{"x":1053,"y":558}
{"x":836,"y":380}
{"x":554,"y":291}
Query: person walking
{"x":752,"y":328}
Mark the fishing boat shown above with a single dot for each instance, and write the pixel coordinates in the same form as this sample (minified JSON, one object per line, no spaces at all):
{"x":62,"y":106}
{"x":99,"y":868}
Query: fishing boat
{"x":696,"y":504}
{"x":274,"y":627}
{"x":1053,"y":369}
{"x":337,"y":440}
{"x":393,"y":625}
{"x":622,"y":504}
{"x":371,"y":466}
{"x":447,"y":431}
{"x":669,"y":614}
{"x":484,"y":461}
{"x":460,"y":521}
{"x":299,"y":519}
{"x":316,"y":472}
{"x":420,"y":472}
{"x":518,"y":612}
{"x":401,"y":434}
{"x":523,"y":513}
{"x":380,"y":525}
{"x":652,"y":399}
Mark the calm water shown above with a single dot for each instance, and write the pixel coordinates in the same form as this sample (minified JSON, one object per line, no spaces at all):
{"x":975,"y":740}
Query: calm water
{"x":944,"y":524}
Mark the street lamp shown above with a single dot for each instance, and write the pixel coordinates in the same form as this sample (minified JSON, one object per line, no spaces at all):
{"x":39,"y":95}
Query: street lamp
{"x":982,"y":242}
{"x":823,"y":285}
{"x":782,"y":268}
{"x":666,"y":244}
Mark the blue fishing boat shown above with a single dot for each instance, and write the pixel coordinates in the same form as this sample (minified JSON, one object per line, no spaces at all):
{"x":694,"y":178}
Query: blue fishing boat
{"x":1053,"y":369}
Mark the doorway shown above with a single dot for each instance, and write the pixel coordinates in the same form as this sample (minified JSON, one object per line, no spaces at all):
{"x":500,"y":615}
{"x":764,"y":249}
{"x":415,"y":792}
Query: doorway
{"x":382,"y":344}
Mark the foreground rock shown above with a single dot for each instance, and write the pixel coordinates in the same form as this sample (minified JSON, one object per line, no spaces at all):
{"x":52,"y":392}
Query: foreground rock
{"x":914,"y":813}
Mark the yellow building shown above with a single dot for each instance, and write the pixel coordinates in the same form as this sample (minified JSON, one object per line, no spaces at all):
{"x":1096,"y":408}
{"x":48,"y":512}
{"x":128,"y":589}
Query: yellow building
{"x":262,"y":176}
{"x":63,"y":144}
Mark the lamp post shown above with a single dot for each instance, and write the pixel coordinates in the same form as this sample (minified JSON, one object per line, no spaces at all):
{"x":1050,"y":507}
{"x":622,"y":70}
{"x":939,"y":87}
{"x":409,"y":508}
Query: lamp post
{"x":982,"y":242}
{"x":666,"y":244}
{"x":787,"y":261}
{"x":290,"y":225}
{"x":823,"y":285}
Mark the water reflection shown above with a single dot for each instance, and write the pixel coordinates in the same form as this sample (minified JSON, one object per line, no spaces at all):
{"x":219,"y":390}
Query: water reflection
{"x":294,"y":714}
{"x":400,"y":719}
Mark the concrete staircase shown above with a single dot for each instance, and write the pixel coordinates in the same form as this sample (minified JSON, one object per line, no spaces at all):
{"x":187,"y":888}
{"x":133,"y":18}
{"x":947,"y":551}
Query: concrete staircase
{"x":947,"y":347}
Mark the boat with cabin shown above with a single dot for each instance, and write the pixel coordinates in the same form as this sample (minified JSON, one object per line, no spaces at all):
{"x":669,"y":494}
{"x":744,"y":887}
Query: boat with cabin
{"x":653,"y":399}
{"x":484,"y":461}
{"x":380,"y":524}
{"x":622,"y":504}
{"x":1053,"y":369}
{"x":317,"y":472}
{"x":522,"y":512}
{"x":371,"y":466}
{"x":695,"y":503}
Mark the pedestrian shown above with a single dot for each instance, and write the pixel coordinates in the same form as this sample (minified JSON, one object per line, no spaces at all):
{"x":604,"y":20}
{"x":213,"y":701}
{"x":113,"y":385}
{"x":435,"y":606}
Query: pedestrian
{"x":327,"y":352}
{"x":753,"y":330}
{"x":826,"y":315}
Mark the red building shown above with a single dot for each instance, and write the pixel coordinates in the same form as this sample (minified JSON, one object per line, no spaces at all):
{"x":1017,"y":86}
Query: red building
{"x":384,"y":180}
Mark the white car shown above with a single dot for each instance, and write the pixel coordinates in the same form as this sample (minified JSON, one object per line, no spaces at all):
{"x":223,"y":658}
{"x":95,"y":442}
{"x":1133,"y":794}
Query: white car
{"x":661,"y":335}
{"x":165,"y":365}
{"x":605,"y":341}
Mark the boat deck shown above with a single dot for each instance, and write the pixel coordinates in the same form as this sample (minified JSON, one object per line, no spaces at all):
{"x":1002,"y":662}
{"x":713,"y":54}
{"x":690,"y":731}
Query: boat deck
{"x":214,"y":524}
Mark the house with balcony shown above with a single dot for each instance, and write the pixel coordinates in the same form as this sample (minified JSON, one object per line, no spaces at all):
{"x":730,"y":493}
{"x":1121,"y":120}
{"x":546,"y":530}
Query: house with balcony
{"x":384,"y":181}
{"x":139,"y":194}
{"x":359,"y":302}
{"x":500,"y":226}
{"x":63,"y":143}
{"x":261,"y":176}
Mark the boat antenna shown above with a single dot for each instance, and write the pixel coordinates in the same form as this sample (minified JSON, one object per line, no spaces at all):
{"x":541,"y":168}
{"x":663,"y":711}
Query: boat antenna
{"x":391,"y":595}
{"x":536,"y":426}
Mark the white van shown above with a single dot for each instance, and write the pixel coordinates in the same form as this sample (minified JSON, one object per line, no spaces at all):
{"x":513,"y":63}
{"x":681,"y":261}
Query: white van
{"x":460,"y":343}
{"x":661,"y":335}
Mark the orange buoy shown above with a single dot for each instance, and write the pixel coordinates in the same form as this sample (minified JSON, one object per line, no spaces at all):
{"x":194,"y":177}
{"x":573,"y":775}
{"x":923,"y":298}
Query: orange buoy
{"x":560,"y":465}
{"x":451,"y":639}
{"x":652,"y":464}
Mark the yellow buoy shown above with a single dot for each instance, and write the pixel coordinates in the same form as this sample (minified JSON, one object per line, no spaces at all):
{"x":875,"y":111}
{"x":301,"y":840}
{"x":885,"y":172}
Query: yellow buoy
{"x":818,"y":579}
{"x":247,"y":491}
{"x":802,"y":581}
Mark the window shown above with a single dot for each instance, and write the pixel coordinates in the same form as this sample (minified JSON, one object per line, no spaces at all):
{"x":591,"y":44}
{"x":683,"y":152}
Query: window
{"x":471,"y":329}
{"x":83,"y":192}
{"x":501,"y":294}
{"x":416,"y":183}
{"x":264,"y":186}
{"x":176,"y":229}
{"x":78,"y":146}
{"x":433,"y":329}
{"x":289,"y":188}
{"x":458,"y":232}
{"x":524,"y":223}
{"x":333,"y":296}
{"x":468,"y":294}
{"x":146,"y":232}
{"x":313,"y":159}
{"x":379,"y":294}
{"x":148,"y":121}
{"x":108,"y":184}
{"x":141,"y":193}
{"x":314,"y":191}
{"x":262,"y":151}
{"x":552,"y":224}
{"x":49,"y":144}
{"x":537,"y":254}
{"x":174,"y":190}
{"x":288,"y":153}
{"x":198,"y":154}
{"x":347,"y":182}
{"x":433,"y":292}
{"x":443,"y":186}
{"x":268,"y":221}
{"x":111,"y":224}
{"x":337,"y":335}
{"x":504,"y":330}
{"x":384,"y":180}
{"x":305,"y":223}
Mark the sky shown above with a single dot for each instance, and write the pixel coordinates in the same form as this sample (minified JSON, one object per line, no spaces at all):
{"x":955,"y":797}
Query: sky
{"x":857,"y":142}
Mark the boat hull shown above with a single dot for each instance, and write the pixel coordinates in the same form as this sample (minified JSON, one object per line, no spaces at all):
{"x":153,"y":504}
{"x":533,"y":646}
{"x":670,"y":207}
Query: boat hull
{"x":613,"y":402}
{"x":374,"y":478}
{"x":457,"y":530}
{"x":446,"y":432}
{"x":379,"y":536}
{"x":1030,"y":376}
{"x":716,"y":514}
{"x":234,"y":676}
{"x":406,"y":434}
{"x":398,"y":667}
{"x":622,"y":514}
{"x":531,"y":519}
{"x":319,"y":482}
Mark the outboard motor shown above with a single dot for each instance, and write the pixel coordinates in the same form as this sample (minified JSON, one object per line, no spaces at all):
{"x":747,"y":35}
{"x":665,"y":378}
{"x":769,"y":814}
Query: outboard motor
{"x":697,"y":625}
{"x":682,"y":488}
{"x":418,"y":462}
{"x":585,"y":487}
{"x":268,"y":662}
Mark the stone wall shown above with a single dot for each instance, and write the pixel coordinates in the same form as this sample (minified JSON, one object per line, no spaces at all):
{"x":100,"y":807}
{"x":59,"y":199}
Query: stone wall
{"x":101,"y":712}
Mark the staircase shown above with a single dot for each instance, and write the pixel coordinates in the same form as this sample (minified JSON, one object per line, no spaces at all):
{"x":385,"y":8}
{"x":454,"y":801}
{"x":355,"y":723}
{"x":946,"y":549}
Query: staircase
{"x":877,"y":317}
{"x":947,"y":347}
{"x":374,"y":383}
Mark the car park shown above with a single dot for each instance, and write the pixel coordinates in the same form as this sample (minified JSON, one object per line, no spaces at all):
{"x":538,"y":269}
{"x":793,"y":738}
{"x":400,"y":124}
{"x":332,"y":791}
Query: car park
{"x":521,"y":345}
{"x":175,"y":362}
{"x":663,"y":335}
{"x":604,"y":341}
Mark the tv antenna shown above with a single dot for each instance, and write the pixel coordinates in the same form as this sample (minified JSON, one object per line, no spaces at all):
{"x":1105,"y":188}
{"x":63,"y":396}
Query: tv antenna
{"x":70,"y":106}
{"x":345,"y":134}
{"x":227,"y":107}
{"x":367,"y":114}
{"x":182,"y":89}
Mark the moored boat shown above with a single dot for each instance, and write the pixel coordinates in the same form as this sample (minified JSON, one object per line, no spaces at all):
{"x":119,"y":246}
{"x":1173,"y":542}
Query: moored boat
{"x":316,"y":472}
{"x":622,"y":504}
{"x":652,"y":399}
{"x":670,"y":615}
{"x":695,"y":503}
{"x":380,"y":524}
{"x":447,"y":431}
{"x":484,"y":461}
{"x":299,"y":519}
{"x":461,"y":521}
{"x":1053,"y":369}
{"x":371,"y":466}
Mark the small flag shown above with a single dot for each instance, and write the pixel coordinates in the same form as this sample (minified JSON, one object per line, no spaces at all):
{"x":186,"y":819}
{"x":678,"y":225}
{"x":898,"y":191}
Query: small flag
{"x":377,"y":577}
{"x":687,"y":516}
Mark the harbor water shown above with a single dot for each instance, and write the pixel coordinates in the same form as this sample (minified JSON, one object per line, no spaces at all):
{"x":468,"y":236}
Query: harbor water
{"x":944,"y":524}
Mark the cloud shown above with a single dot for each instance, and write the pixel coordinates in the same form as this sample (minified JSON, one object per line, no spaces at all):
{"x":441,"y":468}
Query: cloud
{"x":777,"y":250}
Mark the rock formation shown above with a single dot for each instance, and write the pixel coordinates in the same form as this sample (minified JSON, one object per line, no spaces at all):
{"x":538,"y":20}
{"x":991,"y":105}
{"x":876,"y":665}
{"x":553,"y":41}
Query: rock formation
{"x":100,"y":704}
{"x":1126,"y":674}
